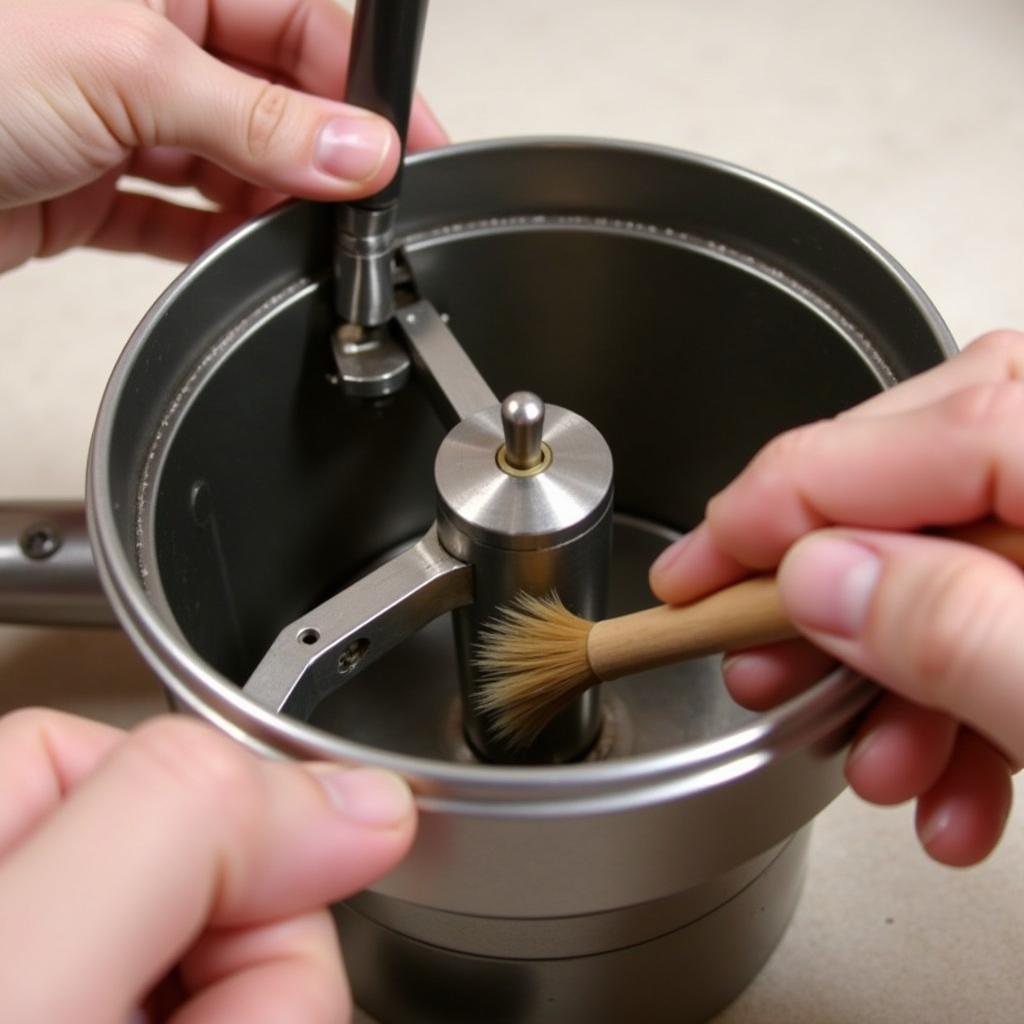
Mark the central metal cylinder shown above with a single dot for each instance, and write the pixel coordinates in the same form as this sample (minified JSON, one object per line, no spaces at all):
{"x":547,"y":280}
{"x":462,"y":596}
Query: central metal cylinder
{"x":540,"y":530}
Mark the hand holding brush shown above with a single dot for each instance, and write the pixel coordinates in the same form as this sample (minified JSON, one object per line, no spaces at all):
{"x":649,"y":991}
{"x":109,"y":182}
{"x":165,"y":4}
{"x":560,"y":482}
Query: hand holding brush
{"x":539,"y":656}
{"x":939,"y":625}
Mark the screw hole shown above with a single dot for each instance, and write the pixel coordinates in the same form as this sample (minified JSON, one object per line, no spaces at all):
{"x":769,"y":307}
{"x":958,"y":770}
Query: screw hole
{"x":352,"y":655}
{"x":40,"y":542}
{"x":308,"y":636}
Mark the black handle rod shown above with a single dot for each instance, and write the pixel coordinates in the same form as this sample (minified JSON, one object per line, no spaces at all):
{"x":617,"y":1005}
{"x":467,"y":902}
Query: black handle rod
{"x":385,"y":51}
{"x":386,"y":38}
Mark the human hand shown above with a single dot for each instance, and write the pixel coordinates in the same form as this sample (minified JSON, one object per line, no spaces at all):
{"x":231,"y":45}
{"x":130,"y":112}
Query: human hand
{"x":938,"y":623}
{"x":94,"y":89}
{"x":169,"y":872}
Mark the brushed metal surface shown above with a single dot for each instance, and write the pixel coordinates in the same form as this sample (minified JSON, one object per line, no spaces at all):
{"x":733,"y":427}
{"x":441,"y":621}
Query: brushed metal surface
{"x":680,"y":975}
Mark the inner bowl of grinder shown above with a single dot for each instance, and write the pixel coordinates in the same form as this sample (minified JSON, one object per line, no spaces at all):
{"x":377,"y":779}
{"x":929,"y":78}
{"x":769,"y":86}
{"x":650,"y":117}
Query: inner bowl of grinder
{"x":236,"y":487}
{"x":688,"y":310}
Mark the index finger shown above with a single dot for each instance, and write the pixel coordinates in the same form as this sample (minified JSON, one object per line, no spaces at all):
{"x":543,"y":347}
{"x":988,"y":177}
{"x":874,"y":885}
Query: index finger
{"x":179,"y":830}
{"x":307,"y":40}
{"x":950,"y":462}
{"x":44,"y":754}
{"x":996,"y":356}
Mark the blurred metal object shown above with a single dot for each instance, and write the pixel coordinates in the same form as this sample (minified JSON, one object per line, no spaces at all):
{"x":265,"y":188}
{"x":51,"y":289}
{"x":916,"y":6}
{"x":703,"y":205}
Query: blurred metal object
{"x":47,"y":573}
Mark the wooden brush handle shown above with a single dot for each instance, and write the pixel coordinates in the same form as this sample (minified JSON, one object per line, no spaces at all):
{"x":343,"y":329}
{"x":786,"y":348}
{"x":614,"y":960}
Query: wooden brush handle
{"x":1007,"y":541}
{"x":743,"y":615}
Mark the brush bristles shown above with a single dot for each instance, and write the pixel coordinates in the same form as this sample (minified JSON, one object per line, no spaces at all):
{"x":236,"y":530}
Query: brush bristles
{"x":533,"y":659}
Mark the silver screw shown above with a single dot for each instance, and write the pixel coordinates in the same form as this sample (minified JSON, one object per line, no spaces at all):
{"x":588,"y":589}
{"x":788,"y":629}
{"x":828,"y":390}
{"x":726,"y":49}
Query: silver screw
{"x":352,"y":655}
{"x":40,"y":542}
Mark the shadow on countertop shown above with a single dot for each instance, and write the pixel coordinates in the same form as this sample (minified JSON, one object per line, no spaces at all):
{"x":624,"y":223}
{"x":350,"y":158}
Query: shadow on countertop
{"x":92,"y":672}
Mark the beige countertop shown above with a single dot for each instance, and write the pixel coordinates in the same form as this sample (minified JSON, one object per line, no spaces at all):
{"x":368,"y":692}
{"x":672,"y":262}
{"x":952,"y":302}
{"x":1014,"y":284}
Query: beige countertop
{"x":905,"y":116}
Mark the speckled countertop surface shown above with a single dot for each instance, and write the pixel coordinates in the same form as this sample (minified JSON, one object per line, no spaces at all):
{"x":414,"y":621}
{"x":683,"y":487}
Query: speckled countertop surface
{"x":905,"y":116}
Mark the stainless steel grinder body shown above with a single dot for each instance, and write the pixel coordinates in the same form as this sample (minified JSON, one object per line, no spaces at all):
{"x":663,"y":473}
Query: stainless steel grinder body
{"x":689,"y":311}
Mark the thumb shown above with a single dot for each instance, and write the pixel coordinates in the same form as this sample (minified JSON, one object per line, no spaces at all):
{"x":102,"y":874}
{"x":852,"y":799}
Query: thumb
{"x":176,"y":833}
{"x":171,"y":92}
{"x":937,"y":621}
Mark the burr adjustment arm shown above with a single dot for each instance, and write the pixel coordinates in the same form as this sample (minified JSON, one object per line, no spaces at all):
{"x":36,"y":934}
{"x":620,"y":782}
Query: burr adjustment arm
{"x":327,"y":647}
{"x":453,"y":382}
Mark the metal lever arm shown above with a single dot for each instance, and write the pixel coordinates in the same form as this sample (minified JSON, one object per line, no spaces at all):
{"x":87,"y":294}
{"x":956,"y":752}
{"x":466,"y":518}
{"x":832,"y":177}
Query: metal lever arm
{"x":452,"y":380}
{"x":327,"y":647}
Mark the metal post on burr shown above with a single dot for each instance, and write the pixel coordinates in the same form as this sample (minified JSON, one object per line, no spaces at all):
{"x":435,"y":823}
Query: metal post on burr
{"x":524,"y":452}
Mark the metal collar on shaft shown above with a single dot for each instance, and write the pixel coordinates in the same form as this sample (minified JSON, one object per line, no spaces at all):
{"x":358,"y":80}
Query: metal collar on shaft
{"x":521,"y":509}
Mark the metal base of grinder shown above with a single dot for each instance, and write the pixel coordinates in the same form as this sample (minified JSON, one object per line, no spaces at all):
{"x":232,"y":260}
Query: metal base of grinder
{"x":683,"y":975}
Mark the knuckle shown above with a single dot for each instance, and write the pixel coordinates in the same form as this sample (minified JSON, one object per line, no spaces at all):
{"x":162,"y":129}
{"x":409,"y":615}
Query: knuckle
{"x":771,"y":488}
{"x":790,"y":449}
{"x":126,"y":50}
{"x":986,"y":406}
{"x":267,"y":116}
{"x":772,"y":484}
{"x":135,"y":38}
{"x":955,"y":619}
{"x":27,"y":720}
{"x":213,"y":771}
{"x":1001,"y":344}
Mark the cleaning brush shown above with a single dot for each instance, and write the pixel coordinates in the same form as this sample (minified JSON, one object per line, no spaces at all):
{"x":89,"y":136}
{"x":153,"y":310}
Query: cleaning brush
{"x":536,"y":656}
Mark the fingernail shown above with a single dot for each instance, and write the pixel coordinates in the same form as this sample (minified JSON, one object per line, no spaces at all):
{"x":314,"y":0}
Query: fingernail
{"x":730,"y":661}
{"x":671,"y":555}
{"x":930,"y":830}
{"x":862,"y":747}
{"x":367,"y":796}
{"x":828,"y":582}
{"x":353,"y":148}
